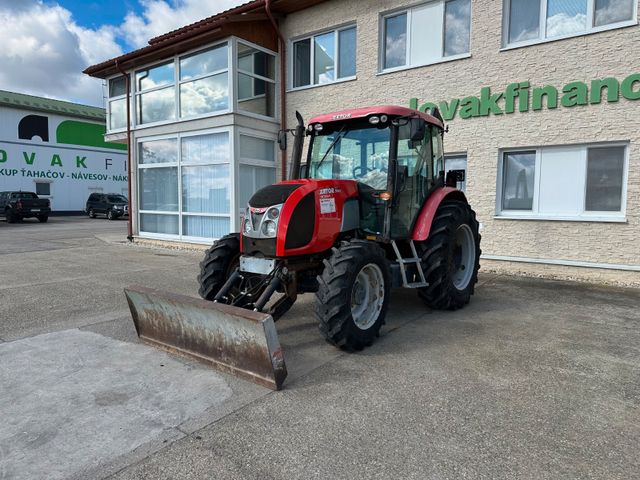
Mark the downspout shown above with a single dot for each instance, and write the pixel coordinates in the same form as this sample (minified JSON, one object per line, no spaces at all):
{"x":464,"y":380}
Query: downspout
{"x":128,"y":89}
{"x":283,"y":71}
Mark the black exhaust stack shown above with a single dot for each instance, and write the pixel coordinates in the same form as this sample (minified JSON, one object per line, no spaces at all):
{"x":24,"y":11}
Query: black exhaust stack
{"x":298,"y":143}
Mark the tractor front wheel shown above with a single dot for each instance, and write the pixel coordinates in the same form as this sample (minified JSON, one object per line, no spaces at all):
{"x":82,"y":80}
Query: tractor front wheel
{"x":218,"y":263}
{"x":451,"y":257}
{"x":353,"y":294}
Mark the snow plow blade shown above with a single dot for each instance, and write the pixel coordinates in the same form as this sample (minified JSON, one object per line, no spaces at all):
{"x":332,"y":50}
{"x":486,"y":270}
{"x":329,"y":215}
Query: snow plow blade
{"x":231,"y":339}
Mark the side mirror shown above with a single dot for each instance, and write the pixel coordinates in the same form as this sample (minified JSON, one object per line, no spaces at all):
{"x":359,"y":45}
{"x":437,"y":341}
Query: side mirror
{"x":453,"y":177}
{"x":282,"y":139}
{"x":304,"y":170}
{"x":418,"y":128}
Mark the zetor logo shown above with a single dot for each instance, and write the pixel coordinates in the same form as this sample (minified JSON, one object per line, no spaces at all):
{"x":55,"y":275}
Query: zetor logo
{"x":341,"y":116}
{"x":257,"y":210}
{"x":329,"y":191}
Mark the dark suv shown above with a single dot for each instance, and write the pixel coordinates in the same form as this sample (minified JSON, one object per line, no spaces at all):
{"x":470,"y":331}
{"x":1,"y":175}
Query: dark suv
{"x":112,"y":205}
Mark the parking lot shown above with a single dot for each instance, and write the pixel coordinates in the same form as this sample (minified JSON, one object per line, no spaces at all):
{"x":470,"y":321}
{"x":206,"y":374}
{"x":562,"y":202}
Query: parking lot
{"x":534,"y":379}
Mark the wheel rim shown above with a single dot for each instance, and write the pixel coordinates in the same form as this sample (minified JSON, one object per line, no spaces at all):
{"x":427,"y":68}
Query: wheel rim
{"x":367,"y":296}
{"x":464,"y":257}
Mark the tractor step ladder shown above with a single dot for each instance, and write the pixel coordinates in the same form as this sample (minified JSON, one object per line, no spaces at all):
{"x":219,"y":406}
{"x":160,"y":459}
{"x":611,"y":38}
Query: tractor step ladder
{"x":407,"y":261}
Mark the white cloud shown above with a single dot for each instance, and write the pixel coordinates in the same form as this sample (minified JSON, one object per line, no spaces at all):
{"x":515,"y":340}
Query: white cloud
{"x":45,"y":51}
{"x":563,"y":24}
{"x":162,"y":16}
{"x":396,"y":50}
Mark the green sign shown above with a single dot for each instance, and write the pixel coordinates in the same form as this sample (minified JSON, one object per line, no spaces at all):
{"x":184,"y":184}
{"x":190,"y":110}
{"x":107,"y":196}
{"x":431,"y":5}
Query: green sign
{"x":520,"y":96}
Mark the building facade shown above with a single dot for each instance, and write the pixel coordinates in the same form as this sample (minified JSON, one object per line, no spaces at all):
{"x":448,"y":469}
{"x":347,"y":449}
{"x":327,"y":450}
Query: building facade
{"x":540,"y":98}
{"x":57,"y":149}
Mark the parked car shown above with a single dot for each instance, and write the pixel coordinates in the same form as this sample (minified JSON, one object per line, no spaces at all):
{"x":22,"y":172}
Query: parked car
{"x":19,"y":205}
{"x":113,"y":205}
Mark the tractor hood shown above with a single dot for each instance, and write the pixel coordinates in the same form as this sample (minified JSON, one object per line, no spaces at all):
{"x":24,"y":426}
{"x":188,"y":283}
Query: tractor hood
{"x":273,"y":195}
{"x":309,"y":220}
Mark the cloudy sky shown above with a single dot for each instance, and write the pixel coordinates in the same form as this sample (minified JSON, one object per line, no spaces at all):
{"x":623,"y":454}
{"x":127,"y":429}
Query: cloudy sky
{"x":47,"y":43}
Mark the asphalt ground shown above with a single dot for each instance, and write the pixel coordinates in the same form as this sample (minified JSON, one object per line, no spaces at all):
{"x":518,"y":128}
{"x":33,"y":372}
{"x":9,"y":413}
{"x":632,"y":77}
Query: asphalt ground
{"x":533,"y":379}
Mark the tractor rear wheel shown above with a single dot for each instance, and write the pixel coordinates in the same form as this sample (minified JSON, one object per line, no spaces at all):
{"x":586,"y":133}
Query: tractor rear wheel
{"x":218,"y":263}
{"x":451,"y":257}
{"x":353,"y":294}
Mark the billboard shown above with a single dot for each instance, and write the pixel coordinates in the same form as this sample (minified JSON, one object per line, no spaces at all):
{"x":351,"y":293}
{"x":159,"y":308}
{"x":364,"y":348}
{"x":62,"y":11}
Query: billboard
{"x":59,"y":157}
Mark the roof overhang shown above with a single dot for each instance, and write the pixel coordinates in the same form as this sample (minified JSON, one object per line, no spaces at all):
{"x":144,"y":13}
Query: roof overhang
{"x":248,"y":21}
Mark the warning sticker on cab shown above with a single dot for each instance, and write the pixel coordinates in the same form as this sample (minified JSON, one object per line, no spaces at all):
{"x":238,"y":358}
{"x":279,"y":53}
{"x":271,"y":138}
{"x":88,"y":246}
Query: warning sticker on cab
{"x":327,"y":205}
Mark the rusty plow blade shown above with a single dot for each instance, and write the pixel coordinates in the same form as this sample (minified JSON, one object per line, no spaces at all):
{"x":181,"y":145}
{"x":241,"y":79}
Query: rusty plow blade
{"x":231,"y":339}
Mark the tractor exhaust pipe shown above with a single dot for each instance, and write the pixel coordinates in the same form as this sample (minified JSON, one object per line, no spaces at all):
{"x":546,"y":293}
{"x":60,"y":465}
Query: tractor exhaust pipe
{"x":296,"y":153}
{"x":231,"y":339}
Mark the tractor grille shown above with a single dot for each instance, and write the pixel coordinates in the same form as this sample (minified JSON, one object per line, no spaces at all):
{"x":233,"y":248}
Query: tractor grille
{"x":256,"y":218}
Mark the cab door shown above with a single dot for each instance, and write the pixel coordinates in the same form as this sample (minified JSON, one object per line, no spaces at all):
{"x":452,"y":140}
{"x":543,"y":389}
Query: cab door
{"x":414,"y":174}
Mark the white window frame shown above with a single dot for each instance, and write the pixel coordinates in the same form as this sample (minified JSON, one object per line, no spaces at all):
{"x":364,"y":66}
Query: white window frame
{"x":542,"y":28}
{"x":179,"y":83}
{"x":253,"y":162}
{"x":311,"y":37}
{"x":232,"y":70}
{"x":454,"y":155}
{"x":236,"y":71}
{"x":233,"y":221}
{"x":137,"y":94}
{"x":41,"y":181}
{"x":113,"y":99}
{"x":382,"y":39}
{"x":583,"y":216}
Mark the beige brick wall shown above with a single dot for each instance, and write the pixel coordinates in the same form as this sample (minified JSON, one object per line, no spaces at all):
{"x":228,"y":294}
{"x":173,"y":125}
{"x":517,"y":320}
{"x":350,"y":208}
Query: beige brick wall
{"x":611,"y":53}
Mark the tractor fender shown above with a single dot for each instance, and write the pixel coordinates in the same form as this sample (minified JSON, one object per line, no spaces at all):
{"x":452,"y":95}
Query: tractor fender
{"x":422,"y":227}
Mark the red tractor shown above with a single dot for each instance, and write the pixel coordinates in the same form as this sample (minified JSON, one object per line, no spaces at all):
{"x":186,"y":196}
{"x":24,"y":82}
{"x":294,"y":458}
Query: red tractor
{"x":370,"y":210}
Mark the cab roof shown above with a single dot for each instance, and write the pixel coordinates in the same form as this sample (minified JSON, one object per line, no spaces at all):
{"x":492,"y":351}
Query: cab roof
{"x":390,"y":110}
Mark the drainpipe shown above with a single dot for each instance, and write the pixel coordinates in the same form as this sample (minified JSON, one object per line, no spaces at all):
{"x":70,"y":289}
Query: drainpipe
{"x":128,"y":89}
{"x":283,"y":63}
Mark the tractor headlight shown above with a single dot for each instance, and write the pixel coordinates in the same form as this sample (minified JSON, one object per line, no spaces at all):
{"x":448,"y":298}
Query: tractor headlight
{"x":273,"y":213}
{"x":247,"y":225}
{"x":269,"y":228}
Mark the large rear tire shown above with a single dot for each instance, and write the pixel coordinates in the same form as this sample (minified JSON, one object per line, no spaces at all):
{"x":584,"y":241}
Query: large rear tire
{"x":218,"y":263}
{"x":353,"y":294}
{"x":451,"y":257}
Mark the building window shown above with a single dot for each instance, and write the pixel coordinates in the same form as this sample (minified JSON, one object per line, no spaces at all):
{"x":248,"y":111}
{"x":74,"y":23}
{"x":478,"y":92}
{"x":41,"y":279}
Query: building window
{"x":155,"y":93}
{"x":531,"y":21}
{"x":256,"y":81}
{"x":456,"y":162}
{"x":573,"y":182}
{"x":204,"y":82}
{"x":324,"y":58}
{"x":184,"y":186}
{"x":426,"y":34}
{"x":43,"y":188}
{"x":257,"y":166}
{"x":117,"y":103}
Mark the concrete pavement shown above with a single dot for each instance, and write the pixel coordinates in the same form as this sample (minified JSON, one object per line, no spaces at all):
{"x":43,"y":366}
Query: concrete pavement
{"x":534,"y":379}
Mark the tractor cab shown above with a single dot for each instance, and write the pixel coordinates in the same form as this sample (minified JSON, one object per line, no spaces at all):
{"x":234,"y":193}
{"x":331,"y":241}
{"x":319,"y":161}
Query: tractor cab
{"x":395,"y":155}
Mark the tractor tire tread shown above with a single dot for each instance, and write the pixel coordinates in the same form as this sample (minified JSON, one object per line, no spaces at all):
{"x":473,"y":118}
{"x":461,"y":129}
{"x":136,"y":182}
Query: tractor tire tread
{"x":214,"y":266}
{"x":441,"y":294}
{"x":333,"y":307}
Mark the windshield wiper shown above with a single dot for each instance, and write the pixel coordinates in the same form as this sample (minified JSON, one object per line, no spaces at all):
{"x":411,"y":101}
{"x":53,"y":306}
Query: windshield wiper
{"x":338,"y":137}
